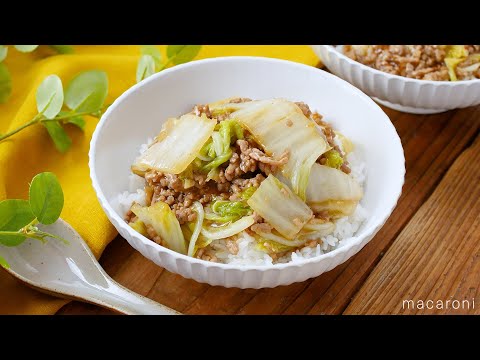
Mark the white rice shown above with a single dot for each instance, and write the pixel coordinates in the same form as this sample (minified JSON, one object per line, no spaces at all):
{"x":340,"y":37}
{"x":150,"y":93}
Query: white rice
{"x":345,"y":228}
{"x":136,"y":184}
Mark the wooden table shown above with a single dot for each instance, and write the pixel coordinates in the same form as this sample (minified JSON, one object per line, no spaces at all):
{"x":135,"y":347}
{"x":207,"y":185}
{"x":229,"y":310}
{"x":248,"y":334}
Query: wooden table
{"x":429,"y":249}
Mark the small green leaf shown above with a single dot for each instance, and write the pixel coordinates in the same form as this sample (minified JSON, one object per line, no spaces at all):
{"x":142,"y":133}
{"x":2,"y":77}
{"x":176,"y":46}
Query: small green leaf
{"x":87,"y":91}
{"x":180,"y":54}
{"x":63,"y":49}
{"x":5,"y":83}
{"x":12,"y":240}
{"x":25,"y":48}
{"x":50,"y":96}
{"x":4,"y":263}
{"x":78,"y":121}
{"x":60,"y":138}
{"x":153,"y":51}
{"x":14,"y":215}
{"x":145,"y":67}
{"x":3,"y":52}
{"x":46,"y":197}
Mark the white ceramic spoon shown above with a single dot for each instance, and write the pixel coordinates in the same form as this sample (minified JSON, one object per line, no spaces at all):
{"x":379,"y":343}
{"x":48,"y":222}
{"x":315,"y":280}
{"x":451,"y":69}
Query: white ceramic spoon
{"x":71,"y":271}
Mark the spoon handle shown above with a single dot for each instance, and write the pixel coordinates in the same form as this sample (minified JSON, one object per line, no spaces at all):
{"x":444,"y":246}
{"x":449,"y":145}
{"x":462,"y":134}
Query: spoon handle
{"x":121,"y":299}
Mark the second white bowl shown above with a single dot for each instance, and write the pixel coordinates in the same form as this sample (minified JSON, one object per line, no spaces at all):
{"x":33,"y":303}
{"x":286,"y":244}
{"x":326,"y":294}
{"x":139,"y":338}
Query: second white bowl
{"x":140,"y":112}
{"x":398,"y":92}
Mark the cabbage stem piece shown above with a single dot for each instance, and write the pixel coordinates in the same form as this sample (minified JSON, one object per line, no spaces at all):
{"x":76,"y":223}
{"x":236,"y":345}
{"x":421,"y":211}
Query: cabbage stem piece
{"x":332,"y":190}
{"x":279,"y":125}
{"x":139,"y":226}
{"x":276,"y":237}
{"x":164,"y":222}
{"x":455,"y":54}
{"x":280,"y":207}
{"x":177,"y":145}
{"x":198,"y":208}
{"x":452,"y":64}
{"x":270,"y":246}
{"x":221,"y":232}
{"x":313,"y":230}
{"x":317,"y":228}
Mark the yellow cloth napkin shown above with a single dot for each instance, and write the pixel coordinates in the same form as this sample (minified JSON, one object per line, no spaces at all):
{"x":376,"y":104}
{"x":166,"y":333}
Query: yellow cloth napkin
{"x":31,"y":151}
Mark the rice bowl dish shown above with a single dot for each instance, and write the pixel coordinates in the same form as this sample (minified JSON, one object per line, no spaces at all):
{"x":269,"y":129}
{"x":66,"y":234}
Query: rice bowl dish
{"x":418,"y":79}
{"x":246,"y":182}
{"x":140,"y":112}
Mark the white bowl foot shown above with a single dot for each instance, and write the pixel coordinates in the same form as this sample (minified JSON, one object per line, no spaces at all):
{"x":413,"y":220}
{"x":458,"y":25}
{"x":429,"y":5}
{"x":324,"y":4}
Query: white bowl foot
{"x":408,"y":109}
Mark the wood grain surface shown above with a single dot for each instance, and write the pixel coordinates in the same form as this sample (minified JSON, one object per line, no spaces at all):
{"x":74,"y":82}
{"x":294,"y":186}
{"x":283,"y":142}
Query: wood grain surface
{"x":428,"y":249}
{"x":436,"y":257}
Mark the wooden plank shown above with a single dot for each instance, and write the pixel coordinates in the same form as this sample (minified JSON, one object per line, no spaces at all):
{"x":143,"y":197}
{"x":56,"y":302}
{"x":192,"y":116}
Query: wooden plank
{"x":431,"y":144}
{"x":437,"y":255}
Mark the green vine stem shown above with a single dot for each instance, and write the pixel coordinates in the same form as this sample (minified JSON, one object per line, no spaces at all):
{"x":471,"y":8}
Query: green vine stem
{"x":38,"y":119}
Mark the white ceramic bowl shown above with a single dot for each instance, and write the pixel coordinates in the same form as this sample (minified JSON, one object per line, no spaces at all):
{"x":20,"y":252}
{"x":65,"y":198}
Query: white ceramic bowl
{"x":140,"y":112}
{"x":398,"y":92}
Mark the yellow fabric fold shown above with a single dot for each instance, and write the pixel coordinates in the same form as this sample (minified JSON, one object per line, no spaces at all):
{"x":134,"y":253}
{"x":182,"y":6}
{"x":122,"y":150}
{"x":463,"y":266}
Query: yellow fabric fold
{"x":31,"y":151}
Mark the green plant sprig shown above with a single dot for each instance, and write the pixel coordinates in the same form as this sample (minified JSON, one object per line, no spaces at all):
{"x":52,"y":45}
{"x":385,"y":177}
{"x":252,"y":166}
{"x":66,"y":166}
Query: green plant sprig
{"x":19,"y":218}
{"x":151,"y":59}
{"x":5,"y":77}
{"x":85,"y":94}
